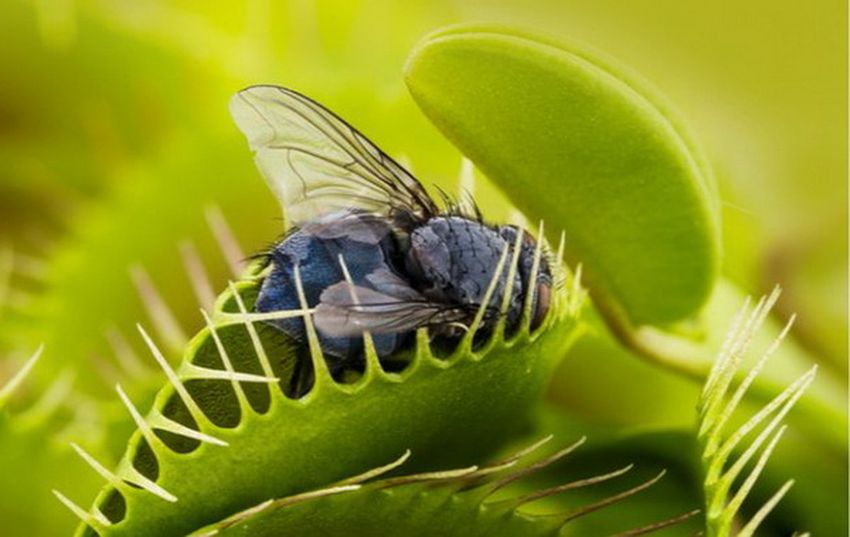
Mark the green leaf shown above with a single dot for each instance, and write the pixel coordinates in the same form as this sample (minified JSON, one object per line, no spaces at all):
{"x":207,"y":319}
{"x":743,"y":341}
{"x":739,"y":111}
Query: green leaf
{"x":813,"y":450}
{"x":573,"y":141}
{"x":464,"y":502}
{"x":755,"y":439}
{"x":231,"y":389}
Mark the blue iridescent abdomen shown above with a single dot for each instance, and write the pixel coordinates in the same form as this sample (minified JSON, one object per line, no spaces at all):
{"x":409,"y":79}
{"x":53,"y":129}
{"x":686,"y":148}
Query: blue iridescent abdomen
{"x":316,"y":250}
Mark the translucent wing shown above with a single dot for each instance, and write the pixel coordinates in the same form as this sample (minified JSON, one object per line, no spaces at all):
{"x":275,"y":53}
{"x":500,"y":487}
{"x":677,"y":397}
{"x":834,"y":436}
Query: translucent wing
{"x":317,"y":164}
{"x":365,"y":228}
{"x":346,"y":311}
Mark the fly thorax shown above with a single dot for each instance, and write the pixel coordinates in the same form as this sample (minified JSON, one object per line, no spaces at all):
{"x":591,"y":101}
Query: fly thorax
{"x":456,"y":259}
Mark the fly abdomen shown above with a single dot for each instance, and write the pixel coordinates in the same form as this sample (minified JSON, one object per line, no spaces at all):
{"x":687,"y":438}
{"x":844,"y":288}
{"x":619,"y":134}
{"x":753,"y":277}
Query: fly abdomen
{"x":317,"y":252}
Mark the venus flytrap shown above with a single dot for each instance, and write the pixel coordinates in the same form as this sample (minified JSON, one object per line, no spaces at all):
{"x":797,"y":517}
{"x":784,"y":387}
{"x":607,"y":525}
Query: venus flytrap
{"x":29,"y":437}
{"x":715,"y":409}
{"x":457,"y":502}
{"x":225,"y":414}
{"x":572,"y":140}
{"x":575,"y":139}
{"x":225,"y":435}
{"x":9,"y":387}
{"x":90,"y":287}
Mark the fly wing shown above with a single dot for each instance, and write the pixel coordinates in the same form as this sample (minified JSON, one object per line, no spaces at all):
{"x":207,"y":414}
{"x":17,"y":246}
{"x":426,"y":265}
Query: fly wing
{"x":316,"y":163}
{"x":347,"y":310}
{"x":366,"y":228}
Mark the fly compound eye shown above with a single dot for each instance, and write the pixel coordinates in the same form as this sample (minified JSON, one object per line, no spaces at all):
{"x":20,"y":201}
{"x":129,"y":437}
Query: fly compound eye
{"x":541,"y":304}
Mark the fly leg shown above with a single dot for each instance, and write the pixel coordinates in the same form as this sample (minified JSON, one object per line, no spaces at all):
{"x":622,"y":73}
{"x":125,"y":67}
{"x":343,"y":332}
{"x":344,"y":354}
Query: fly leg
{"x":301,"y":381}
{"x":354,"y":363}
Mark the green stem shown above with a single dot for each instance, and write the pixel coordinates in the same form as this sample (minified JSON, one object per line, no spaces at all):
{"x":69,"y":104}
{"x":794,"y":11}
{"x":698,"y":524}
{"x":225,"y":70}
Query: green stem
{"x":816,"y":412}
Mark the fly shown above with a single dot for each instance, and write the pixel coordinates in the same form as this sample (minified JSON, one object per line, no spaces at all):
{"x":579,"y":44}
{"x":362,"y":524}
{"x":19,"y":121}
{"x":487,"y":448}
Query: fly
{"x":373,"y":250}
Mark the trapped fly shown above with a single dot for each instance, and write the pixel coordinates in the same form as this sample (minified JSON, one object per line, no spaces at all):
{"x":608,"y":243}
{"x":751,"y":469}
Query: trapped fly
{"x":373,"y":250}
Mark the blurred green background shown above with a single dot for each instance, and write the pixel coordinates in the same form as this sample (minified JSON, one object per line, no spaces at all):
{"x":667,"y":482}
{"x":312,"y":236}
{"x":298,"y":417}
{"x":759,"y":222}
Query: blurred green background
{"x":115,"y":138}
